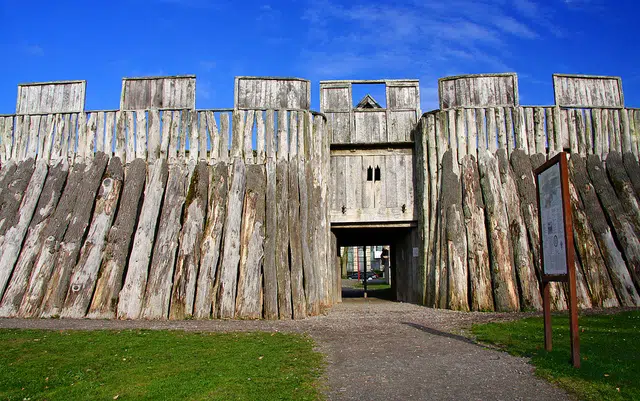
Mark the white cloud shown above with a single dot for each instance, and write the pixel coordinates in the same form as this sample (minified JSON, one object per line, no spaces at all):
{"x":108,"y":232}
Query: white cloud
{"x":33,"y":50}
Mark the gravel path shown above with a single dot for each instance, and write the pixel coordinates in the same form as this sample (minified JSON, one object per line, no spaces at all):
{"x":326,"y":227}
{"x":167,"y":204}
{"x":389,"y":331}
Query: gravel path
{"x":380,"y":350}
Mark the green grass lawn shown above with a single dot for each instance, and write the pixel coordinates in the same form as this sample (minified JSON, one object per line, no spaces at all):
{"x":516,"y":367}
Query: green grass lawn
{"x":157,"y":365}
{"x":373,"y":287}
{"x":609,"y":349}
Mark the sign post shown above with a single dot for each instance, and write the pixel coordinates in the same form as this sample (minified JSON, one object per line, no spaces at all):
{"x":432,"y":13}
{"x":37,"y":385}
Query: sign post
{"x":556,"y":237}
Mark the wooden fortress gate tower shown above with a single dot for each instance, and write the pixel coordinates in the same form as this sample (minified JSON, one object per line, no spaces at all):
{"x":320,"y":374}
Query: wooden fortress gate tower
{"x":371,"y":187}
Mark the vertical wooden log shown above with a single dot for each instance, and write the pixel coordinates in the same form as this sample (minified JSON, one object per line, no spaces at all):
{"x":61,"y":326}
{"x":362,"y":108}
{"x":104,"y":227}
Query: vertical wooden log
{"x":282,"y":229}
{"x":505,"y":293}
{"x":558,"y":130}
{"x":295,"y":240}
{"x":620,"y":276}
{"x":174,"y":137}
{"x":304,"y":174}
{"x":270,"y":269}
{"x":114,"y":258}
{"x":525,"y":271}
{"x":633,"y":133}
{"x":249,"y":299}
{"x":591,"y":263}
{"x":158,"y":289}
{"x":491,"y":131}
{"x":530,"y":137}
{"x":34,"y":127}
{"x":7,"y":139}
{"x":189,"y":252}
{"x":14,"y":227}
{"x":100,"y":132}
{"x":84,"y":275}
{"x":206,"y":288}
{"x":481,"y":130}
{"x":132,"y":293}
{"x":109,"y":141}
{"x":452,"y":138}
{"x":433,"y":125}
{"x":167,"y":116}
{"x":23,"y":255}
{"x":92,"y":131}
{"x":56,"y":146}
{"x":573,"y":130}
{"x":615,"y":122}
{"x":67,"y":255}
{"x":231,"y":244}
{"x":455,"y":244}
{"x":624,"y":189}
{"x":477,"y":247}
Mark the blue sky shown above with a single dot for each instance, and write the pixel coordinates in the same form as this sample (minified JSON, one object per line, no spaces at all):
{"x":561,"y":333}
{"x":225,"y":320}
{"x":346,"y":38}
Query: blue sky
{"x":102,"y":42}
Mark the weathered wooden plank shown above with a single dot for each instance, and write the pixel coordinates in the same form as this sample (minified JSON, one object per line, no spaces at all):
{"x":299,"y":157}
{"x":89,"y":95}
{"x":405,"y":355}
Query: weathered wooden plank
{"x":23,"y":255}
{"x":502,"y":130}
{"x":461,"y":134}
{"x":524,"y":266}
{"x":588,"y":133}
{"x":114,"y":258}
{"x":231,"y":243}
{"x":538,"y":122}
{"x":551,"y":131}
{"x":8,"y":139}
{"x":183,"y":133}
{"x":140,"y":134}
{"x":92,"y":132}
{"x":620,"y":276}
{"x":174,"y":137}
{"x":189,"y":252}
{"x":530,"y":135}
{"x":69,"y":250}
{"x":260,"y":138}
{"x":34,"y":127}
{"x":158,"y":288}
{"x":617,"y":135}
{"x":626,"y":131}
{"x":480,"y":293}
{"x":598,"y":134}
{"x":633,"y":171}
{"x":247,"y":133}
{"x":203,"y":139}
{"x":84,"y":275}
{"x":607,"y":134}
{"x":214,"y":138}
{"x":633,"y":133}
{"x":15,"y":222}
{"x":130,"y":148}
{"x":508,"y":115}
{"x":207,"y":283}
{"x":167,"y":117}
{"x":194,"y":137}
{"x":153,"y":146}
{"x":616,"y":215}
{"x":581,"y":133}
{"x":132,"y":293}
{"x":492,"y":135}
{"x":249,"y":298}
{"x":505,"y":293}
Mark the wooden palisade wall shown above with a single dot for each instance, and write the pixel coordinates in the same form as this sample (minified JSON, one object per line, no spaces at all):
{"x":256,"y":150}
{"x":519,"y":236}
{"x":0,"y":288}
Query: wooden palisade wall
{"x":165,"y":213}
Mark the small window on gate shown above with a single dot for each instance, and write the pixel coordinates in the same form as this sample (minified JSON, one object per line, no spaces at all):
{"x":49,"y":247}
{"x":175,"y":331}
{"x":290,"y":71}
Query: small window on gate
{"x":377,"y":173}
{"x":370,"y":174}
